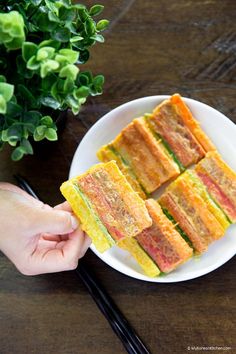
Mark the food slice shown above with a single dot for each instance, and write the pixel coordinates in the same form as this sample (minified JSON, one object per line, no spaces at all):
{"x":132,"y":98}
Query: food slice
{"x":220,"y":181}
{"x":200,"y":188}
{"x":161,"y":243}
{"x":108,"y":153}
{"x":173,"y":122}
{"x":90,"y":221}
{"x":144,"y":260}
{"x":187,"y":207}
{"x":107,"y":206}
{"x":146,"y":158}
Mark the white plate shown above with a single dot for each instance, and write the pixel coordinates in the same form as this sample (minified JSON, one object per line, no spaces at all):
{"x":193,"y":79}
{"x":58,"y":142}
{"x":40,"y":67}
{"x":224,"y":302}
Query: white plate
{"x":222,"y":132}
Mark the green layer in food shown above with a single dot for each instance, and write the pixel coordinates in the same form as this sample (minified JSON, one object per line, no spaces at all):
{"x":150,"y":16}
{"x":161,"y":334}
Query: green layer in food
{"x":177,"y":227}
{"x":204,"y":192}
{"x":126,"y":163}
{"x":94,"y":214}
{"x":165,"y":144}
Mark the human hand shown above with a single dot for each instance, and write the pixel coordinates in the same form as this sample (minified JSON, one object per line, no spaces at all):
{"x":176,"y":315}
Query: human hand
{"x":36,"y":237}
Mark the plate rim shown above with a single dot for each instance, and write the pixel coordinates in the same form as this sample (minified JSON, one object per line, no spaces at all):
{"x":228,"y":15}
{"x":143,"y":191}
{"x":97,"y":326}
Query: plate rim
{"x":133,"y":273}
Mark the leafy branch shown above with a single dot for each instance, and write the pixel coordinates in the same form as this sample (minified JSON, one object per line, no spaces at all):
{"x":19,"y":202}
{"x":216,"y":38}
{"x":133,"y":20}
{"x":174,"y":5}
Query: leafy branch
{"x":43,"y":43}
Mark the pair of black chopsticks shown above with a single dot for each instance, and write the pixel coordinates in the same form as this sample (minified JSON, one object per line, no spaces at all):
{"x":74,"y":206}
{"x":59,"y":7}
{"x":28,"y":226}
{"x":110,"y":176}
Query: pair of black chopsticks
{"x":129,"y":338}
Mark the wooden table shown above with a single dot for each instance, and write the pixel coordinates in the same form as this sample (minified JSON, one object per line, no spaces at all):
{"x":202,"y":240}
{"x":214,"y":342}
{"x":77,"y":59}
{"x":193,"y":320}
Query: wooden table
{"x":152,"y":47}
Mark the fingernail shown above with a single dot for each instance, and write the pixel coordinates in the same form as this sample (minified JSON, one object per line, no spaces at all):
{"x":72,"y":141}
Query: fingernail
{"x":74,"y":222}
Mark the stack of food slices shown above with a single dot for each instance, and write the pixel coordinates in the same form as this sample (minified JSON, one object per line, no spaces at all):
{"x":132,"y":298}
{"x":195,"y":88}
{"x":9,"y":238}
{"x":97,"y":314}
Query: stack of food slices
{"x":197,"y":217}
{"x":106,"y":205}
{"x":174,"y":124}
{"x":220,"y":182}
{"x":159,"y":248}
{"x":157,"y":147}
{"x":195,"y":209}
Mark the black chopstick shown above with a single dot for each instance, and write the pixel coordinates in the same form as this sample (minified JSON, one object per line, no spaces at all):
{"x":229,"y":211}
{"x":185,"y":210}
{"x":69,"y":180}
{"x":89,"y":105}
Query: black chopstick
{"x":130,"y":340}
{"x":95,"y":287}
{"x":118,"y":328}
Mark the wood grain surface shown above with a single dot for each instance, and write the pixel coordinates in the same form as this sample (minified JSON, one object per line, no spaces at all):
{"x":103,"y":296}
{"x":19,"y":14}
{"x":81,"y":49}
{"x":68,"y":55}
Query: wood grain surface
{"x":152,"y":47}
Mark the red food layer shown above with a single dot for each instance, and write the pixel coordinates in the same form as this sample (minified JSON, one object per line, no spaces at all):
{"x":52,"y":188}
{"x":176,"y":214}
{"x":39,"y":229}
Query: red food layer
{"x":102,"y":205}
{"x":172,"y":128}
{"x":180,"y":216}
{"x":160,"y":250}
{"x":219,"y":195}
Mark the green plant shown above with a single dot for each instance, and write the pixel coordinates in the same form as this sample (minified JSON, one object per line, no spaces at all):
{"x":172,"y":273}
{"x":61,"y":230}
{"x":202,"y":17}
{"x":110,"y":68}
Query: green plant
{"x":42,"y":45}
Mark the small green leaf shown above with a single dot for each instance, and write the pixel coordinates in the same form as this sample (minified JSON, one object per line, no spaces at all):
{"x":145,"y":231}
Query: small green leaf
{"x":47,"y":83}
{"x":12,"y":141}
{"x":102,"y":25}
{"x":98,"y":81}
{"x":50,"y":43}
{"x":68,"y":85}
{"x":66,"y":3}
{"x":17,"y":153}
{"x":73,"y":102}
{"x":45,"y":53}
{"x":84,"y":78}
{"x":61,"y":34}
{"x":39,"y":133}
{"x":36,"y":2}
{"x":12,"y":33}
{"x":75,"y":109}
{"x":27,"y":96}
{"x":6,"y":90}
{"x":70,"y":71}
{"x":98,"y":37}
{"x":32,"y":117}
{"x":51,"y":6}
{"x":53,"y":17}
{"x":51,"y":134}
{"x":96,"y":10}
{"x":81,"y":92}
{"x":3,"y":105}
{"x":33,"y":64}
{"x":13,"y":109}
{"x":47,"y":67}
{"x":67,"y":14}
{"x":83,"y":14}
{"x":71,"y":55}
{"x":46,"y":120}
{"x":79,"y":6}
{"x":90,"y":27}
{"x":44,"y":23}
{"x":22,"y":69}
{"x":4,"y":136}
{"x":16,"y":43}
{"x":50,"y":102}
{"x":61,"y":59}
{"x":25,"y":144}
{"x":41,"y":129}
{"x":14,"y":132}
{"x":76,"y":39}
{"x":29,"y":49}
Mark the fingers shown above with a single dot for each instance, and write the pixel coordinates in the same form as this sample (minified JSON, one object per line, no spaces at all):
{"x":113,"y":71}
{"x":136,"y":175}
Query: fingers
{"x":87,"y":243}
{"x":52,"y":256}
{"x":75,"y":248}
{"x":53,"y":221}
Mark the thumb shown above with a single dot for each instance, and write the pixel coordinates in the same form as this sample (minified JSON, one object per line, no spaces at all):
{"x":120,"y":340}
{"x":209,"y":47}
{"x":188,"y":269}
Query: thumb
{"x":54,"y":222}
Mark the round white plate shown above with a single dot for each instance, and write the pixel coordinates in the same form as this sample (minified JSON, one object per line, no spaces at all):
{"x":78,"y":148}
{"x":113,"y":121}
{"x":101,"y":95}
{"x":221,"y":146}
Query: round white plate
{"x":223,"y":134}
